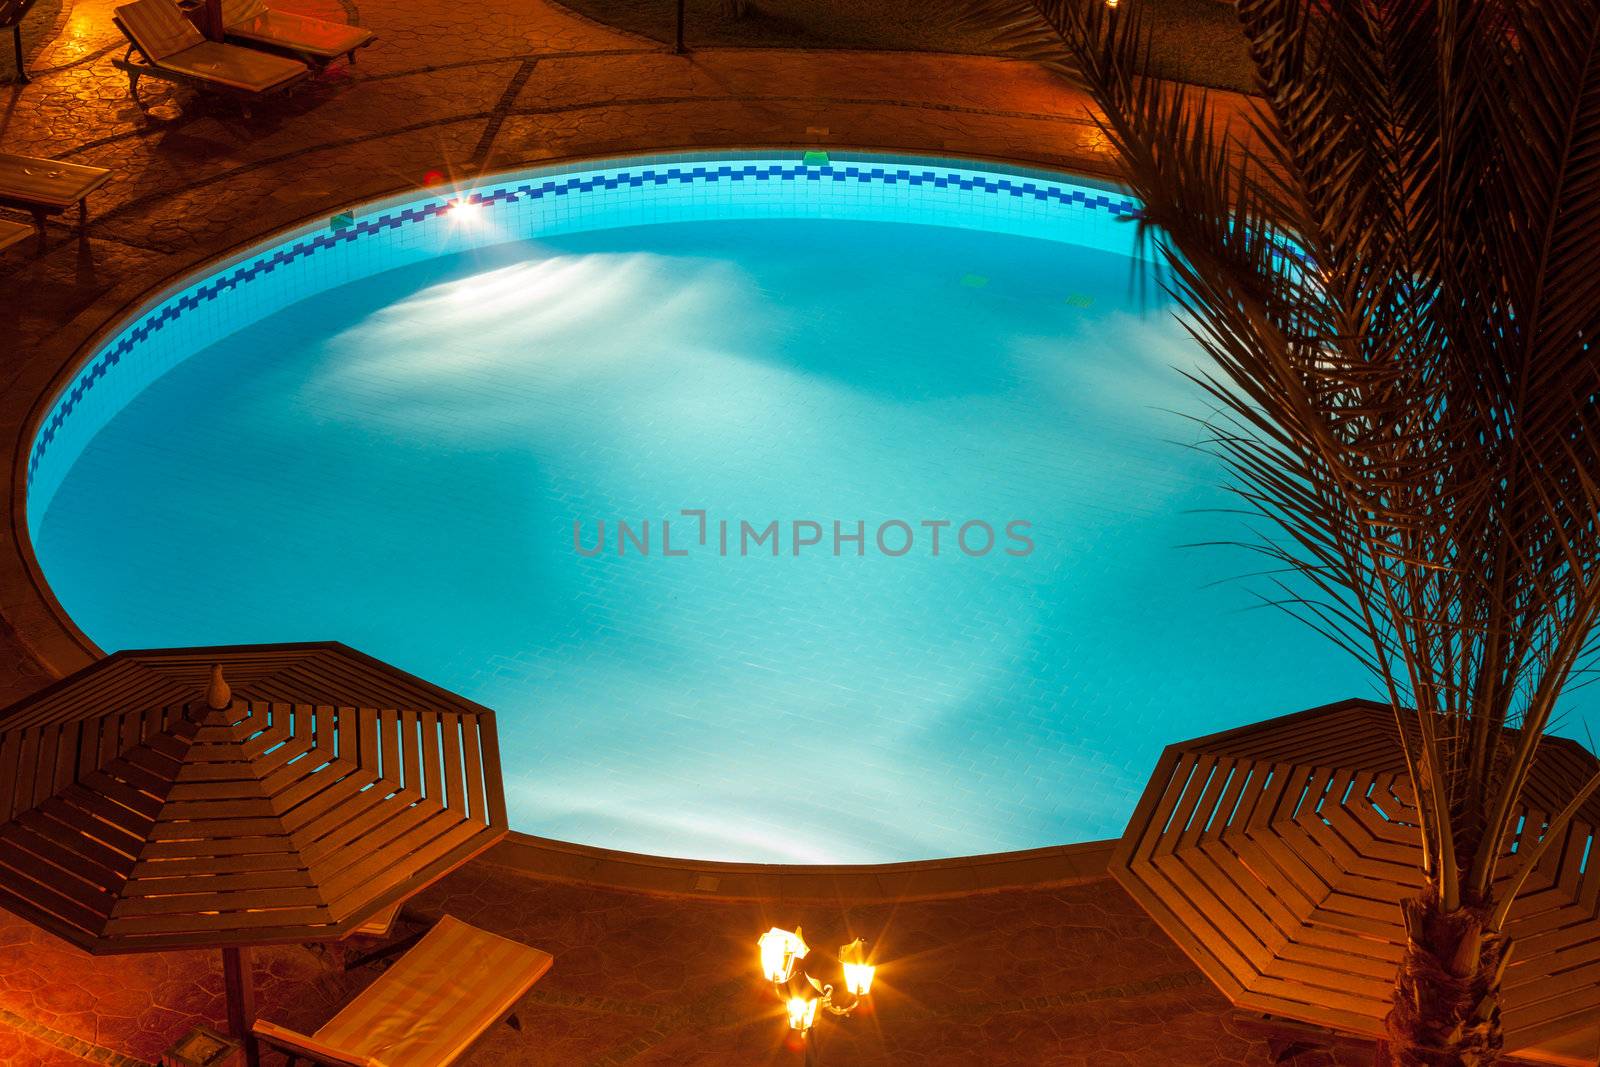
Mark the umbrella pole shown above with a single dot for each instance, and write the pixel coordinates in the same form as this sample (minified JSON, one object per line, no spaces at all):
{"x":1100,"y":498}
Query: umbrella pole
{"x":213,"y":18}
{"x":239,"y":981}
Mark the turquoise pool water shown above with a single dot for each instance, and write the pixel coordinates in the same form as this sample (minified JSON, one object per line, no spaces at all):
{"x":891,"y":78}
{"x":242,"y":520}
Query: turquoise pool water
{"x":388,"y":441}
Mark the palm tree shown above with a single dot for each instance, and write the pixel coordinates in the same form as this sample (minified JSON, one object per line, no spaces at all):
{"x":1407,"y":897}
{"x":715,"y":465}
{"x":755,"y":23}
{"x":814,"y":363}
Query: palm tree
{"x":1395,"y":269}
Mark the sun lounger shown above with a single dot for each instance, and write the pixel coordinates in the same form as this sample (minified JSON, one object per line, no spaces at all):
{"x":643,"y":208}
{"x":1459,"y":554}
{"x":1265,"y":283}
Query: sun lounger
{"x":13,"y":232}
{"x":427,"y":1009}
{"x":44,"y":187}
{"x":317,"y":41}
{"x":381,"y":925}
{"x":384,"y":925}
{"x":173,"y":49}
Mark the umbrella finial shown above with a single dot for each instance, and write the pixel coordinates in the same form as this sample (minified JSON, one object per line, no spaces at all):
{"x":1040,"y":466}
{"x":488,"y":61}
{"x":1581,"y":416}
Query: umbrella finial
{"x":219,"y":696}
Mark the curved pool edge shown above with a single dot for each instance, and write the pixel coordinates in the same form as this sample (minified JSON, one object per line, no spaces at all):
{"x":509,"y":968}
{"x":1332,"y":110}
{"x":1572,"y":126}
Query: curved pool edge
{"x":864,"y":883}
{"x":31,"y":614}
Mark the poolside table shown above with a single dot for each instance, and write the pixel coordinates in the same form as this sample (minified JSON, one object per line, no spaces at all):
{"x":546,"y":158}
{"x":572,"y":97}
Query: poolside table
{"x":12,"y":232}
{"x":47,"y":187}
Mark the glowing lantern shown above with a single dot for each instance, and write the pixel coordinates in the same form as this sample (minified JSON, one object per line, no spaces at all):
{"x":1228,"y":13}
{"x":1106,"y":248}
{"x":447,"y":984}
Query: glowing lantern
{"x":780,"y":950}
{"x":802,"y":1013}
{"x":857,"y":971}
{"x":798,"y":985}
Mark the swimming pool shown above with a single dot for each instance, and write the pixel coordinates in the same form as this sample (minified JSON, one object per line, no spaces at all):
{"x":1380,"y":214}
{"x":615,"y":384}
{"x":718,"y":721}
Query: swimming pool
{"x":791,"y":509}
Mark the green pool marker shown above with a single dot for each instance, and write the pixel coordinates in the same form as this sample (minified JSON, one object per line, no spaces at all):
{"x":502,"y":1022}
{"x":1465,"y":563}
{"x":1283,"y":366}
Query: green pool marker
{"x":342,"y":220}
{"x":1079,"y":300}
{"x":816,"y":159}
{"x":974,"y":281}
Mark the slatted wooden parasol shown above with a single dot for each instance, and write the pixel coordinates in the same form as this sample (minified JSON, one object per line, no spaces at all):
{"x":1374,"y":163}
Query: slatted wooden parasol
{"x":237,"y":796}
{"x":1277,"y":854}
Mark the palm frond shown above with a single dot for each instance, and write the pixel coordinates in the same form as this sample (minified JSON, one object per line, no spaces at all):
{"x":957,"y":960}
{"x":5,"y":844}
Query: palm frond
{"x":1019,"y":29}
{"x":1391,"y":258}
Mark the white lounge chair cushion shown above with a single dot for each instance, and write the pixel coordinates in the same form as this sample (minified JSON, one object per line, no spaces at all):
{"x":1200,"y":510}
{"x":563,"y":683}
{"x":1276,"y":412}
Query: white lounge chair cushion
{"x":437,"y":999}
{"x":237,"y":68}
{"x":158,"y":28}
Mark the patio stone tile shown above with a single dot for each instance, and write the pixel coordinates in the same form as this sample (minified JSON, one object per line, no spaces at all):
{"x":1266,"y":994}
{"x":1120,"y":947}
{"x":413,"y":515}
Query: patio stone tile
{"x":18,"y":1049}
{"x":1071,"y":975}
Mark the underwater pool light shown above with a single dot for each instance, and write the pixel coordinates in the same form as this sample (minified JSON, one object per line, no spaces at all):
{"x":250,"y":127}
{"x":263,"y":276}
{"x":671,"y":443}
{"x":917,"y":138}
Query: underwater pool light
{"x":464,"y":211}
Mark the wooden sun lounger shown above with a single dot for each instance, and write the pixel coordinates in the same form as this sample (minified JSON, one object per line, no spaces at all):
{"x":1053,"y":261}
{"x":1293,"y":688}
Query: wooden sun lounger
{"x":45,"y":187}
{"x":12,"y":232}
{"x":384,"y":925}
{"x":173,"y":49}
{"x":317,"y":41}
{"x":427,"y":1009}
{"x":381,"y":925}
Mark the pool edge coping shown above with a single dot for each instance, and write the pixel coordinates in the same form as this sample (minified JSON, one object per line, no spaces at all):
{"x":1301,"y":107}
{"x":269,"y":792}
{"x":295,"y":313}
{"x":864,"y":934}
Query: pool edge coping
{"x":865,"y":883}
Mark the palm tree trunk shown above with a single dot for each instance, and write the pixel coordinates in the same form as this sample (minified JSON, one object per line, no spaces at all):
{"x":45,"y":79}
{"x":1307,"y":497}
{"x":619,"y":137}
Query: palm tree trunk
{"x":1446,"y":1010}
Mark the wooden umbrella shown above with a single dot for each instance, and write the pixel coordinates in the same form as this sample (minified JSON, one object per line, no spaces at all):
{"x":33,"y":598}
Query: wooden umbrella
{"x":1276,"y":855}
{"x":237,"y":796}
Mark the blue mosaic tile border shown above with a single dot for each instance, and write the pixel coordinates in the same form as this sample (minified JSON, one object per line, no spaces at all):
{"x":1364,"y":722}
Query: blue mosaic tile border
{"x":1114,"y":204}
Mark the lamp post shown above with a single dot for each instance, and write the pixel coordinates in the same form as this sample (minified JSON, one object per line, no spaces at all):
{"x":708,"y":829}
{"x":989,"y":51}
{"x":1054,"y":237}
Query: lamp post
{"x":784,"y":963}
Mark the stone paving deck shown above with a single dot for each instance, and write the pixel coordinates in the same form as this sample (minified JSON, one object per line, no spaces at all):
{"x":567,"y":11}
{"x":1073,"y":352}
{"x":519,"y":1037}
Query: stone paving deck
{"x":1063,"y":975}
{"x":1068,"y":976}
